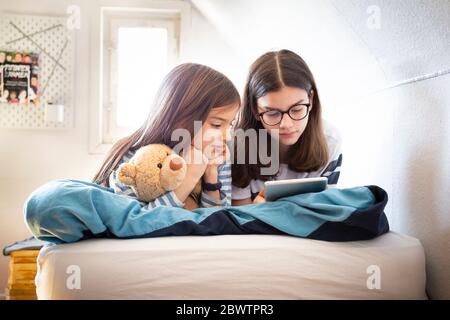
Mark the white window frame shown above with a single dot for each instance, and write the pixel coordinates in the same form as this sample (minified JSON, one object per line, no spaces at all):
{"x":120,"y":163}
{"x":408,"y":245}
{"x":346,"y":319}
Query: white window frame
{"x":102,"y":114}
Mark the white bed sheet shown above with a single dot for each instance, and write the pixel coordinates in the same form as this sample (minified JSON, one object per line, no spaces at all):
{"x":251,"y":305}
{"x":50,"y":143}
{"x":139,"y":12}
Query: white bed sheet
{"x":232,"y":267}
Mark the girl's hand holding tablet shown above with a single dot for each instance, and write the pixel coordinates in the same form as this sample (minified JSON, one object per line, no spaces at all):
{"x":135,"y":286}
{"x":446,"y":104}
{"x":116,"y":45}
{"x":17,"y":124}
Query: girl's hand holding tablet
{"x":261,"y":197}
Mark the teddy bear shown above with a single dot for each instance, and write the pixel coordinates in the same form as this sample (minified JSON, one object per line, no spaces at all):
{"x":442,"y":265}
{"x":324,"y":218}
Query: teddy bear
{"x":153,"y":170}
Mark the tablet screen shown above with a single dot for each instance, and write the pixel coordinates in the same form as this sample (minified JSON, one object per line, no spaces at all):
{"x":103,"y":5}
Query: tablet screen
{"x":285,"y":188}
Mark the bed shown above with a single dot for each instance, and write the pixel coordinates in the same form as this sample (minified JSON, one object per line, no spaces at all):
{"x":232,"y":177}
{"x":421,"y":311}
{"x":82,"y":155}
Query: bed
{"x":391,"y":266}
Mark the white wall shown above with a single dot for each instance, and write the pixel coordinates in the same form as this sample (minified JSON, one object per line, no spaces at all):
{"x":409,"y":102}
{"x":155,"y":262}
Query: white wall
{"x":422,"y":174}
{"x":29,"y":158}
{"x":413,"y":42}
{"x":394,"y":137}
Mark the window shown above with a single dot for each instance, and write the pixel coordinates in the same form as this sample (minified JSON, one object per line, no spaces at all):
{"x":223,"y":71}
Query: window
{"x":123,"y":79}
{"x":140,"y":51}
{"x":141,"y":60}
{"x":131,"y":50}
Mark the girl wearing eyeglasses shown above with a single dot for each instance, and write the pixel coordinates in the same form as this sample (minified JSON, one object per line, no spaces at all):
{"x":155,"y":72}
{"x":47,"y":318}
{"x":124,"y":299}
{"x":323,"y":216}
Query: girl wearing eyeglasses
{"x":281,"y":97}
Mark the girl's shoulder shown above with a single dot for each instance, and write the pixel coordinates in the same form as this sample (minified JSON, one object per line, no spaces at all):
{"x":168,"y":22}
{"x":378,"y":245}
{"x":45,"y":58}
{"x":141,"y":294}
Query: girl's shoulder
{"x":126,"y":157}
{"x":224,"y":169}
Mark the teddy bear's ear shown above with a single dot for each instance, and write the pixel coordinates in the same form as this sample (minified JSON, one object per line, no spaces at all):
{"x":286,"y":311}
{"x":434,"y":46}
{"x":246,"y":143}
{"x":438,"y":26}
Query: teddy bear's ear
{"x":126,"y":174}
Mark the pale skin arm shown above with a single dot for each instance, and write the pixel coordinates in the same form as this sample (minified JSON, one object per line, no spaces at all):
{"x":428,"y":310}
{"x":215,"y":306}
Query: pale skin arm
{"x":185,"y":189}
{"x":260,"y":198}
{"x":207,"y":170}
{"x":211,"y":176}
{"x":241,"y":202}
{"x":194,"y":173}
{"x":211,"y":172}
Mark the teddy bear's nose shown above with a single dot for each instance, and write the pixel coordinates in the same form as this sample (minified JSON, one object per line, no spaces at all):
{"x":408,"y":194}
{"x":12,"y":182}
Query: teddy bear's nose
{"x":175,"y":164}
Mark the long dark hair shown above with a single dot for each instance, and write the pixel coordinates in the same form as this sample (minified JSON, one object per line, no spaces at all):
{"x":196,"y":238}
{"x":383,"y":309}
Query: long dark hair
{"x":187,"y":94}
{"x":269,"y":73}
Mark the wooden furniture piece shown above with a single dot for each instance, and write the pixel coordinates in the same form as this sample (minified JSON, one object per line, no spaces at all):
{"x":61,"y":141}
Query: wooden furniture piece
{"x":22,"y":271}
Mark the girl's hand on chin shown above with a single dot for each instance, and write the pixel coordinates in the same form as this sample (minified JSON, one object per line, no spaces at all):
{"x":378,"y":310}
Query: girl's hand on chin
{"x":215,"y":158}
{"x":196,"y":162}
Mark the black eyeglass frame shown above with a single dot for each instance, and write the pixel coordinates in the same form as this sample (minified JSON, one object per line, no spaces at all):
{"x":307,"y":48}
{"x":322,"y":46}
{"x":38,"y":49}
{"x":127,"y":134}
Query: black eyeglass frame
{"x":307,"y":105}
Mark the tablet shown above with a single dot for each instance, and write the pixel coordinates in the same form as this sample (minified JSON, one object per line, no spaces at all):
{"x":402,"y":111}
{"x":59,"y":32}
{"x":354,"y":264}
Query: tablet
{"x":284,"y":188}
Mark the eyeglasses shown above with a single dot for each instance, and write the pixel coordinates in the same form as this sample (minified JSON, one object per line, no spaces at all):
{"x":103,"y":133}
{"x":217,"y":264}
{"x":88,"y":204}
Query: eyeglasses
{"x":296,"y":112}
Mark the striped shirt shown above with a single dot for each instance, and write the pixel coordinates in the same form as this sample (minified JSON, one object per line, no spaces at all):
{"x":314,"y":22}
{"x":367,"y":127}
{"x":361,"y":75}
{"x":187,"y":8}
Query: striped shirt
{"x":170,"y":198}
{"x":331,"y":170}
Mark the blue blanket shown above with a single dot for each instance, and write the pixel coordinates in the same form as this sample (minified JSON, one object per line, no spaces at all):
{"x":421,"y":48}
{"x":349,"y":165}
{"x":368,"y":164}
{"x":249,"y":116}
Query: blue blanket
{"x":71,"y":210}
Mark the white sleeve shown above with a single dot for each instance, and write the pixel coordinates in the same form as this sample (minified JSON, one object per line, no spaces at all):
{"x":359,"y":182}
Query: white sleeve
{"x":333,"y":168}
{"x":207,"y":202}
{"x":167,"y":199}
{"x":240,"y":193}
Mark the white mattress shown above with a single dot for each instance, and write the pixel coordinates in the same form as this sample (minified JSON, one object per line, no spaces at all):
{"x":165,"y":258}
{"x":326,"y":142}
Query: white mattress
{"x":232,"y":267}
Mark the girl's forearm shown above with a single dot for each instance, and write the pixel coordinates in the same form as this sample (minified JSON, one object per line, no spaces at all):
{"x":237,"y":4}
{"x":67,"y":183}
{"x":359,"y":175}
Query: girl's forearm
{"x":211,"y":176}
{"x":185,"y":189}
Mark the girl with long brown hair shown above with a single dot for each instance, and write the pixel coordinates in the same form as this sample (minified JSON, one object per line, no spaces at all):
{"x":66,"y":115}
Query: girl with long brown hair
{"x":190,"y":92}
{"x":281,"y":98}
